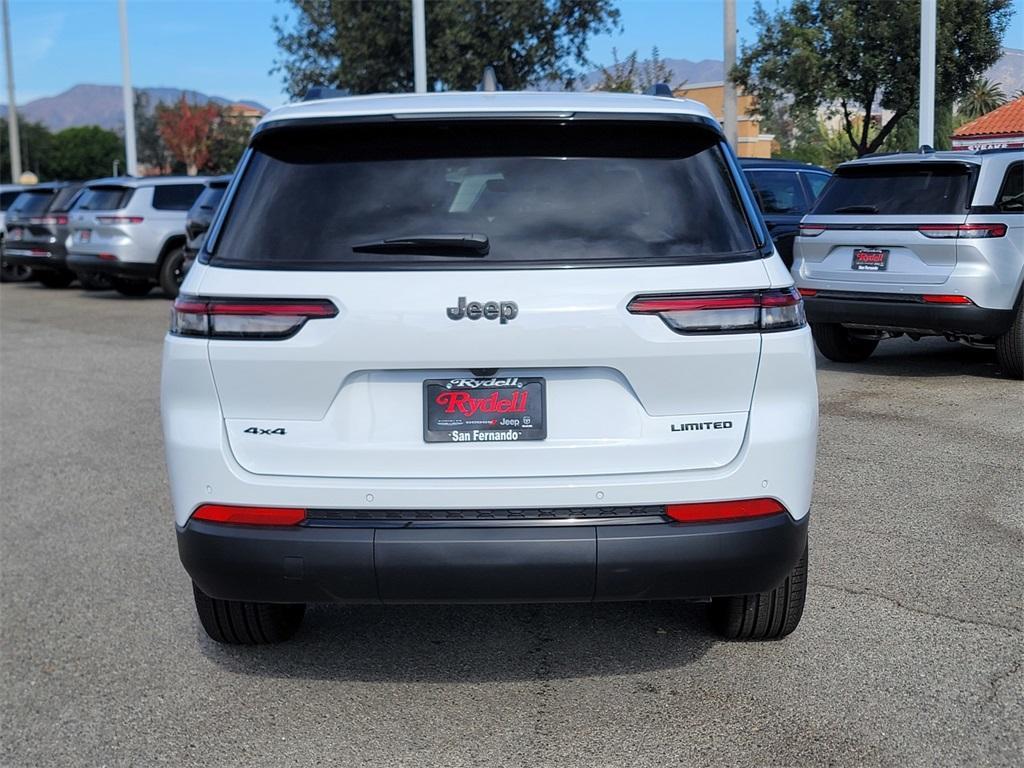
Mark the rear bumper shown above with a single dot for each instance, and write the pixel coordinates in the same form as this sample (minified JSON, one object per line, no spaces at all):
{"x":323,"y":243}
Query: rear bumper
{"x":904,"y":314}
{"x":94,"y":264}
{"x":493,"y":563}
{"x":37,"y":256}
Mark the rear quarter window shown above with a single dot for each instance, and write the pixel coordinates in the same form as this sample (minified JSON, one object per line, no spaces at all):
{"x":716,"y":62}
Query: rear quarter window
{"x":899,"y":189}
{"x":176,"y":197}
{"x":544,"y":193}
{"x":778,"y":192}
{"x":64,"y":199}
{"x":1011,"y":196}
{"x":104,"y":198}
{"x":6,"y":198}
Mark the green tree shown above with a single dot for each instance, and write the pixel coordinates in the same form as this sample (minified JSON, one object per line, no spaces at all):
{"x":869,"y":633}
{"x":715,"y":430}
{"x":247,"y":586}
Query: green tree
{"x":36,"y":141}
{"x":366,"y":45}
{"x":983,"y":96}
{"x":228,"y":142}
{"x":633,"y":76}
{"x":85,"y":152}
{"x":856,"y":55}
{"x":149,"y":147}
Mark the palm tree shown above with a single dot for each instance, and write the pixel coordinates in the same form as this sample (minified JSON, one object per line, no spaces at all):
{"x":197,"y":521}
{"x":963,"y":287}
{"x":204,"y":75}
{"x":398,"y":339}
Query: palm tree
{"x":982,"y":97}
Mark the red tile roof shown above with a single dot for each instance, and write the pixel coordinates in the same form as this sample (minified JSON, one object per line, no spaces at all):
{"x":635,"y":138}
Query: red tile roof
{"x":1008,"y":118}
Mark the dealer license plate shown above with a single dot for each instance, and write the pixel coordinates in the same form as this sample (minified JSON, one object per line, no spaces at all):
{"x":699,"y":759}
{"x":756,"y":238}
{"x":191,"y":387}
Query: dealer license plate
{"x":493,"y":410}
{"x":870,"y":259}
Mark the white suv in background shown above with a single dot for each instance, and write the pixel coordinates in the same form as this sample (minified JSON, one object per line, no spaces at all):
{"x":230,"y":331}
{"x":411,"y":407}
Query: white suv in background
{"x":922,"y":244}
{"x":490,"y":347}
{"x":132,"y":231}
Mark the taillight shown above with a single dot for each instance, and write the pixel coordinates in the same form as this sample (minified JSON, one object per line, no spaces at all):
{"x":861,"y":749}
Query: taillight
{"x":241,"y":515}
{"x":811,"y":230}
{"x":49,"y":220}
{"x":774,"y":310}
{"x":970,"y":231}
{"x":119,"y":219}
{"x":808,"y":291}
{"x":944,"y":298}
{"x":710,"y":511}
{"x":245,"y":318}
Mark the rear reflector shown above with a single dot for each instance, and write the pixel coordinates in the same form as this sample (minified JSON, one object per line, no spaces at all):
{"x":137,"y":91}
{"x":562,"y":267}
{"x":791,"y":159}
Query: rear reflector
{"x":708,"y":511}
{"x":945,"y":299}
{"x":245,"y":318}
{"x":234,"y":515}
{"x":772,"y":310}
{"x":808,"y":291}
{"x":972,"y":231}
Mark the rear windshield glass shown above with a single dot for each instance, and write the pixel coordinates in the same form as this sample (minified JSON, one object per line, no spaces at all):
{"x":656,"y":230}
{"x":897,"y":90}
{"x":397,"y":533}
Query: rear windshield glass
{"x":541,"y":193}
{"x":210,"y":197}
{"x":176,"y":197}
{"x":104,"y":198}
{"x":31,"y":203}
{"x":893,"y":190}
{"x":64,"y":199}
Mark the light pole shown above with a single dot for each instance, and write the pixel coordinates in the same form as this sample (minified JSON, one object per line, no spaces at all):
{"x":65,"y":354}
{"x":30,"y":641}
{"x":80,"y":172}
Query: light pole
{"x":419,"y":45}
{"x":926,"y":102}
{"x":131,"y":164}
{"x":729,"y":90}
{"x":12,"y":110}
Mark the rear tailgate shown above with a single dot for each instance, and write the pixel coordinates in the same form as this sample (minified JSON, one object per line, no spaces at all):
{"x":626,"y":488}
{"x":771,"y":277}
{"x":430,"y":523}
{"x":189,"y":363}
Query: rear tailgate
{"x":887,"y":223}
{"x":624,"y":393}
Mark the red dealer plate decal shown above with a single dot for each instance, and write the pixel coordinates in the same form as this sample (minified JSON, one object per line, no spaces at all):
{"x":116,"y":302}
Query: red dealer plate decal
{"x":501,"y":409}
{"x":870,"y":259}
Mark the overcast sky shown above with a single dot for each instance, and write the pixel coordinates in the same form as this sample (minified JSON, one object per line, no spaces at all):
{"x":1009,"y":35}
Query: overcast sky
{"x":226,"y":47}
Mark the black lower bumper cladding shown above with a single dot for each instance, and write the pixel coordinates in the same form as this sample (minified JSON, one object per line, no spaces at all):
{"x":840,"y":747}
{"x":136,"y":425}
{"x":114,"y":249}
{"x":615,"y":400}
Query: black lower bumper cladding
{"x":906,"y":313}
{"x":579,"y":560}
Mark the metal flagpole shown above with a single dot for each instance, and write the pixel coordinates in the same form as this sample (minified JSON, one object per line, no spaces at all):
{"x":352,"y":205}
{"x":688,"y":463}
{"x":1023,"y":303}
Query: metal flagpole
{"x":132,"y":164}
{"x":419,"y":45}
{"x":12,"y":110}
{"x":926,"y":103}
{"x":729,"y":91}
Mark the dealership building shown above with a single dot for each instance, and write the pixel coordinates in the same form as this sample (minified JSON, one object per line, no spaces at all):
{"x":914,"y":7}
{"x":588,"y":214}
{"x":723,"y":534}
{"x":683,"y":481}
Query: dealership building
{"x":1003,"y":127}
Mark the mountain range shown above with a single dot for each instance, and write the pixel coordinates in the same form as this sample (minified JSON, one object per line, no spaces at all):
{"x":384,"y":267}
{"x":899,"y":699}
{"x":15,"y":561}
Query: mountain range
{"x":101,"y":104}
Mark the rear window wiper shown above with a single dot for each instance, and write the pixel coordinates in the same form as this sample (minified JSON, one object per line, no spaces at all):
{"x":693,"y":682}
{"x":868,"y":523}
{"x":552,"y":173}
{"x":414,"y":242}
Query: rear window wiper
{"x":459,"y":244}
{"x":862,"y":208}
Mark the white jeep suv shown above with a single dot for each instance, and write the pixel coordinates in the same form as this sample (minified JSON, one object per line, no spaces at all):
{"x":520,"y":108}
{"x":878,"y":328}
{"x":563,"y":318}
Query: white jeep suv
{"x":490,"y":347}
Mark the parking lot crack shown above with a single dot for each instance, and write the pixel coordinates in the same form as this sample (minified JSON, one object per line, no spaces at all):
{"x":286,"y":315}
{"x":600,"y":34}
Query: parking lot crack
{"x":920,"y":611}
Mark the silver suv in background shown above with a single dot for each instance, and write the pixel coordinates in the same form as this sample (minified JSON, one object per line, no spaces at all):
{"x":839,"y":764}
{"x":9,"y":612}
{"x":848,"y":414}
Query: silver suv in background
{"x":917,"y":244}
{"x":132,"y":231}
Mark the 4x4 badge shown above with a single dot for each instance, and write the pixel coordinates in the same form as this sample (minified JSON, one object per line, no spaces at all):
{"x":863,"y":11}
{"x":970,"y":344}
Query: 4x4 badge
{"x":490,"y":310}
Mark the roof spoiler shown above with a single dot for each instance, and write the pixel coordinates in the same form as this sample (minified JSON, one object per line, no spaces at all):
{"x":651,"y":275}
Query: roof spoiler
{"x":317,"y":92}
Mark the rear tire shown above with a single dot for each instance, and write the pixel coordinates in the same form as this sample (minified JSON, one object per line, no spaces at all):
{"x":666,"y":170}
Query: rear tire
{"x":1010,"y":347}
{"x":766,"y":615}
{"x":172,"y":272}
{"x":14,"y":273}
{"x":55,"y":279}
{"x":235,"y":622}
{"x":128,"y":287}
{"x":839,"y":345}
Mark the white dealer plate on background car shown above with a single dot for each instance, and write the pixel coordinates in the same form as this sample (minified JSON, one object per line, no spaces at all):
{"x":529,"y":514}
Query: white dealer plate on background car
{"x":495,"y":410}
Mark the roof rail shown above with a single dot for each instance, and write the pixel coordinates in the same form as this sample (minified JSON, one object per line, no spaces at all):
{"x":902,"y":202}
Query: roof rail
{"x":489,"y":81}
{"x":659,"y":89}
{"x":317,"y":92}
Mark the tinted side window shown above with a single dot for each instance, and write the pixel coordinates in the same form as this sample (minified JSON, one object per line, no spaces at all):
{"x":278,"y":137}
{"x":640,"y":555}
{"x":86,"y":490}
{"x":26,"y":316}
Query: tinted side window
{"x":778,"y":192}
{"x":210,"y":198}
{"x":176,"y":197}
{"x":816,"y":182}
{"x":1011,"y":197}
{"x":6,"y":198}
{"x":64,"y":199}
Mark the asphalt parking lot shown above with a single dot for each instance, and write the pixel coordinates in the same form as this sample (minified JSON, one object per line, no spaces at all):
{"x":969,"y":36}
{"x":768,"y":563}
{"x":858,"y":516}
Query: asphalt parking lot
{"x":910,"y":650}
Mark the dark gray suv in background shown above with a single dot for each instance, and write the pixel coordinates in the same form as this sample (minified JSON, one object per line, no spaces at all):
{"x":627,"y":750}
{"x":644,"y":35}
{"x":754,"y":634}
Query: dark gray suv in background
{"x":38,"y":229}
